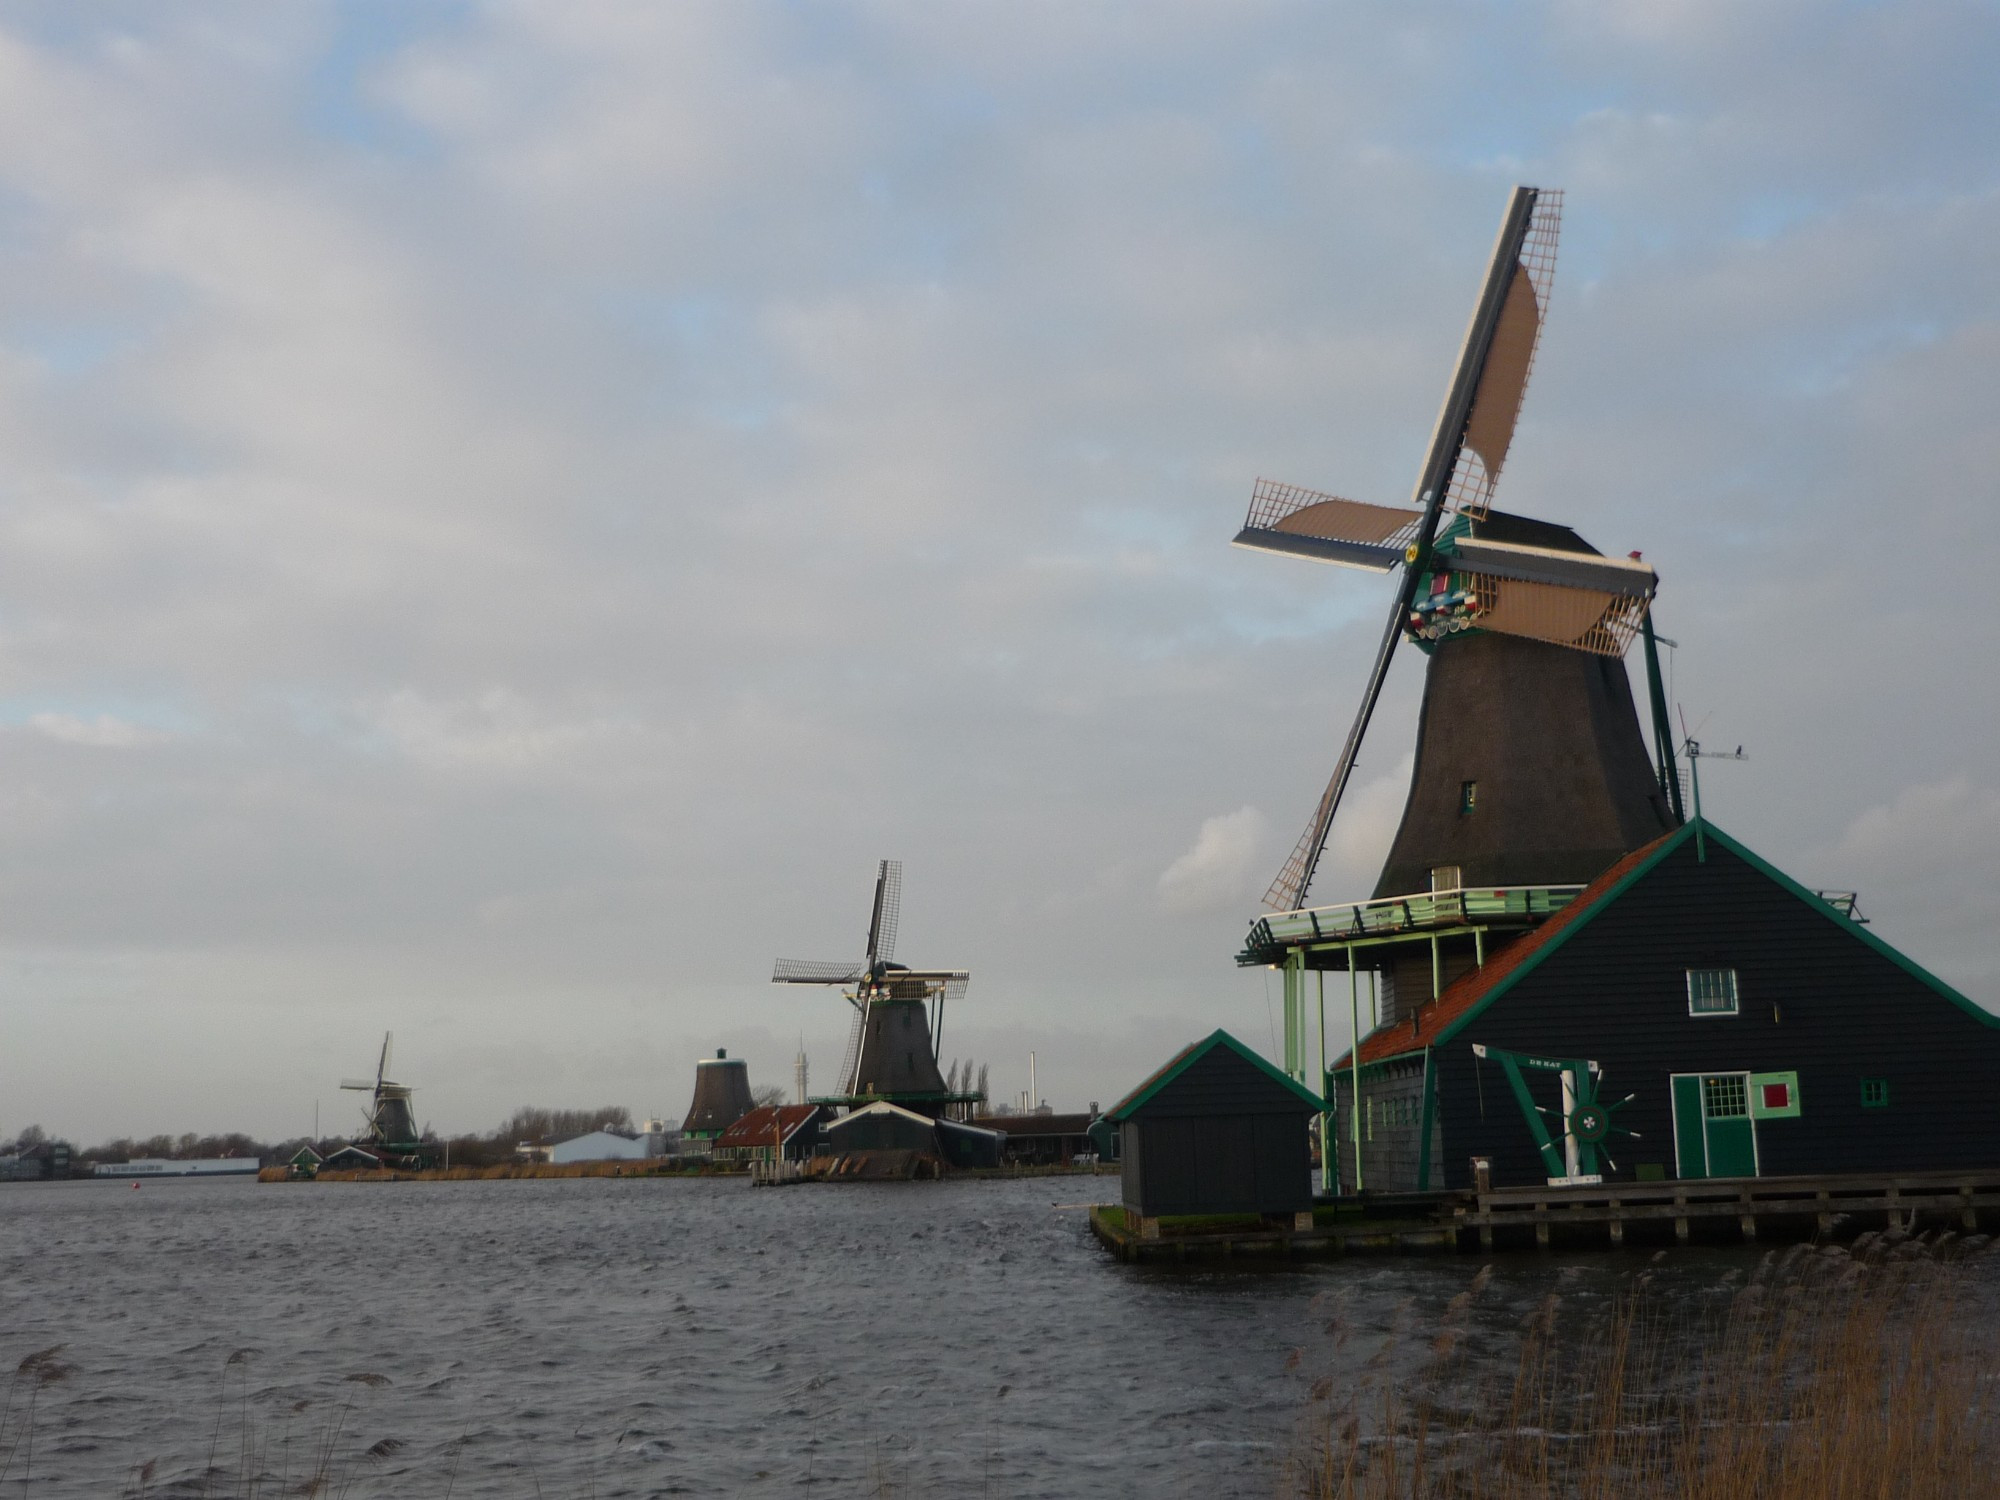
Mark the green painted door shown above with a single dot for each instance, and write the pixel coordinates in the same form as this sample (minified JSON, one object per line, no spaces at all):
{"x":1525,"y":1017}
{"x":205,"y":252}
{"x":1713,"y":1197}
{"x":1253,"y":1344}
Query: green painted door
{"x":1729,"y":1134}
{"x":1690,"y":1143}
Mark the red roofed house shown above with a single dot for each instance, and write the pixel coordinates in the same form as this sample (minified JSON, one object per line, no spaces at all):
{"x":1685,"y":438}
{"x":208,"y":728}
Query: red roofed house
{"x":1758,"y":1028}
{"x":756,"y":1136}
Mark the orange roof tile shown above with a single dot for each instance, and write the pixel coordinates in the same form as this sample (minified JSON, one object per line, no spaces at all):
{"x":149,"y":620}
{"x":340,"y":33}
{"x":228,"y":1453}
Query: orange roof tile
{"x":1414,"y":1033}
{"x":754,"y":1129}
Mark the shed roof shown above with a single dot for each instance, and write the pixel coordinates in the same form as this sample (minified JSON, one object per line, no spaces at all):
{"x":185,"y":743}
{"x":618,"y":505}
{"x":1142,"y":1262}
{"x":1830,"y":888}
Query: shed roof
{"x":879,"y":1107}
{"x":1471,"y":993}
{"x":1186,"y":1058}
{"x":754,"y":1129}
{"x":1035,"y":1124}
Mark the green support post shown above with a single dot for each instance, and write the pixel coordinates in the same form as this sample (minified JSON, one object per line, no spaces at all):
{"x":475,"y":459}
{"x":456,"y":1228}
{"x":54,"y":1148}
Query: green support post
{"x":1430,"y":1118}
{"x":1354,"y":1058}
{"x":1663,"y":735}
{"x":1295,"y":968}
{"x":1326,"y":1164}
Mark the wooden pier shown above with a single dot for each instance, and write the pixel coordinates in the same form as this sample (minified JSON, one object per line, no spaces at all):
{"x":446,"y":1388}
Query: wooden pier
{"x":1326,"y":1232}
{"x":1608,"y":1215}
{"x":1742,"y":1208}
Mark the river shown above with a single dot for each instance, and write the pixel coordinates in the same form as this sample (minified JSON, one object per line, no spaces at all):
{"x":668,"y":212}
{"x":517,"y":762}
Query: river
{"x":610,"y":1337}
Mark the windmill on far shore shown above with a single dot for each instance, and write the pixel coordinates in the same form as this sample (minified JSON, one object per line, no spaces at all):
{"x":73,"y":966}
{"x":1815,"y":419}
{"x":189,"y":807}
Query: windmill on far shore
{"x":898,"y":1021}
{"x":392,"y":1132}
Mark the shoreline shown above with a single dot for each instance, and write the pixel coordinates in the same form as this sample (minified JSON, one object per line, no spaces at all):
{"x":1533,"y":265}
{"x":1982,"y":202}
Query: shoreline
{"x":506,"y":1171}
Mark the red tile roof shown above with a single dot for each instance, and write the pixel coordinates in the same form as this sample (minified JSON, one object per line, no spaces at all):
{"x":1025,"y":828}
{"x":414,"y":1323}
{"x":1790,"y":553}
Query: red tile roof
{"x":754,"y":1129}
{"x":1413,"y":1034}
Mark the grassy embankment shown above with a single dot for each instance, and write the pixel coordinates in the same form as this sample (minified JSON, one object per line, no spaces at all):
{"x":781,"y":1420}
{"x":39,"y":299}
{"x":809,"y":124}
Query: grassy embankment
{"x":1828,"y":1374}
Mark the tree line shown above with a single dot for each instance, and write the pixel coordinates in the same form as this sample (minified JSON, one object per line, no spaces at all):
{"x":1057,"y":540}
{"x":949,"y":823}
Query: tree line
{"x":531,"y":1125}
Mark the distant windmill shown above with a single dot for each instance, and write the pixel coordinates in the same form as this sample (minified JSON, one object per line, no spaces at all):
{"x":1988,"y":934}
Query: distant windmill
{"x":898,"y":1012}
{"x":392,"y":1124}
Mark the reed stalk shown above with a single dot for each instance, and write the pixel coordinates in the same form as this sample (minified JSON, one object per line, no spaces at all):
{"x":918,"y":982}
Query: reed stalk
{"x":1830,"y":1375}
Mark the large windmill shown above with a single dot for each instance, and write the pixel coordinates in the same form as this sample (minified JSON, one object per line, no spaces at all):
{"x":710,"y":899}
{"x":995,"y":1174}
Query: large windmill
{"x":898,"y":1013}
{"x":1530,"y":768}
{"x":1531,"y":775}
{"x":392,"y":1123}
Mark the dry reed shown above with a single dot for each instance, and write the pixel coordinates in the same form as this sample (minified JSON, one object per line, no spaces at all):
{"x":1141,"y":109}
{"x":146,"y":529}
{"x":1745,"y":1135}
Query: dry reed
{"x":1831,"y":1375}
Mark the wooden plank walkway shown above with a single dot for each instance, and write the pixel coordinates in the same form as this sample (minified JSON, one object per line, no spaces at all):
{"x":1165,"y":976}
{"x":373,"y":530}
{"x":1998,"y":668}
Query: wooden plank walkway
{"x":1746,"y":1208}
{"x":1818,"y":1205}
{"x":1272,"y":1241}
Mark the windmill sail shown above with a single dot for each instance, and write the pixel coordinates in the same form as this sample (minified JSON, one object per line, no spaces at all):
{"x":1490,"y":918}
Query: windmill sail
{"x":888,"y":909}
{"x":817,"y":971}
{"x":1305,"y":523}
{"x":1586,"y":602}
{"x":1480,"y":408}
{"x":1499,"y":353}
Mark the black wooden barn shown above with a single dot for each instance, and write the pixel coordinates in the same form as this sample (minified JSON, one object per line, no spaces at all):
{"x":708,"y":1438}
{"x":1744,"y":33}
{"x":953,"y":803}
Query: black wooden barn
{"x":1217,"y":1130}
{"x":886,"y":1127}
{"x":1759,"y":1028}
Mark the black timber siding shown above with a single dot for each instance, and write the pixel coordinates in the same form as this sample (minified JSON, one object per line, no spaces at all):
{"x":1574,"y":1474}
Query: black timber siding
{"x":884,"y":1132}
{"x":1223,"y":1137}
{"x":1392,"y":1099}
{"x":1815,"y":999}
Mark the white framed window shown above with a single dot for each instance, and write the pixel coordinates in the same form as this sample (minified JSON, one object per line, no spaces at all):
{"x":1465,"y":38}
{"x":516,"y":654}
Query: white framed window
{"x":1712,"y":992}
{"x":1725,"y":1096}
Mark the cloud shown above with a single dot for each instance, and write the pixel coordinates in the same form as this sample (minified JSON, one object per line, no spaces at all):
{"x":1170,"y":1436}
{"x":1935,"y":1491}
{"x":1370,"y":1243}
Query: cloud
{"x":105,"y":732}
{"x":601,"y":477}
{"x":1915,"y":861}
{"x":1930,"y":827}
{"x":1219,"y":870}
{"x":496,"y":729}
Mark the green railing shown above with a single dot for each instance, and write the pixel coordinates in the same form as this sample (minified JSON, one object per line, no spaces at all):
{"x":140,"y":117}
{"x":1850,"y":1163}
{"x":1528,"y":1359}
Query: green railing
{"x":1392,"y":916}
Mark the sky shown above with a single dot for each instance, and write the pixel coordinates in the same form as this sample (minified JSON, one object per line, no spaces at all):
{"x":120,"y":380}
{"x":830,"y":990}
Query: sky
{"x":507,"y":512}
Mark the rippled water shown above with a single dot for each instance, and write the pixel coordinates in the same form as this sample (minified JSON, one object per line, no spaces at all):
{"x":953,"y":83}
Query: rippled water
{"x":606,"y":1337}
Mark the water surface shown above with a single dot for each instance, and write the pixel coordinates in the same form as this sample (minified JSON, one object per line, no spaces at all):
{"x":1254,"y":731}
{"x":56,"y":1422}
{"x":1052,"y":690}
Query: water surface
{"x":637,"y":1337}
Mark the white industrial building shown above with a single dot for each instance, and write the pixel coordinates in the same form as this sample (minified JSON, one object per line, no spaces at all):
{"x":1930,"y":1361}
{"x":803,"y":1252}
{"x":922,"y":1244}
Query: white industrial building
{"x":609,"y":1145}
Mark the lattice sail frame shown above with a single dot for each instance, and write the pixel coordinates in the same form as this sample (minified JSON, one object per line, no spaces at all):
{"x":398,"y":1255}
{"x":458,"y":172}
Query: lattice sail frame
{"x":1489,"y":428}
{"x":1478,"y":472}
{"x":1547,"y":612}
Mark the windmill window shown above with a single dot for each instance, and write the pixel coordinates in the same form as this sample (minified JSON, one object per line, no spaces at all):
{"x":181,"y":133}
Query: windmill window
{"x":1874,"y":1093}
{"x":1468,"y":798}
{"x":1446,"y":878}
{"x":1712,"y":992}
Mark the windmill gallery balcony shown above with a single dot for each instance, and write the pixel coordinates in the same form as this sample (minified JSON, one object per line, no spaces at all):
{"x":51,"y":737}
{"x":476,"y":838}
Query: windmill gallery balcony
{"x":1388,"y":918}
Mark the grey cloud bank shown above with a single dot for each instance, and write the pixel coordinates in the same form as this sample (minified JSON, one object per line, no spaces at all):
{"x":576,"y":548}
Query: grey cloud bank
{"x":506,"y":512}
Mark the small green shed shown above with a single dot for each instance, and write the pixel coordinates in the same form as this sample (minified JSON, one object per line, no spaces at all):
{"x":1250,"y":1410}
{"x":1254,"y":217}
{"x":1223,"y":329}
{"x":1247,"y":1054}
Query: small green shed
{"x":1218,"y":1130}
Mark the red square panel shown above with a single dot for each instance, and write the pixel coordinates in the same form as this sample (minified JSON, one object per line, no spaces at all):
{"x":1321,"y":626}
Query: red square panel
{"x":1777,"y":1096}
